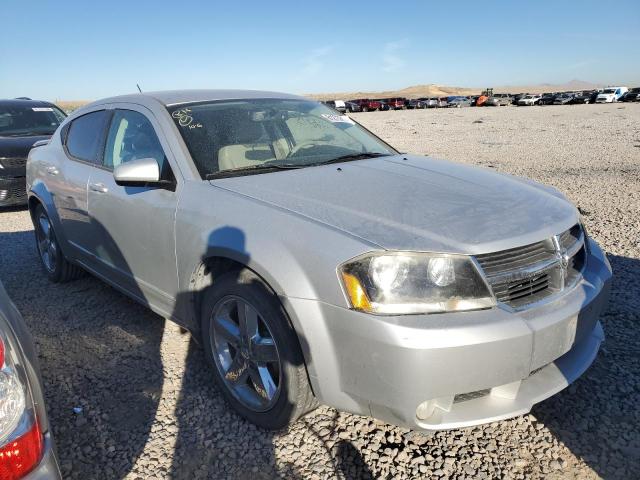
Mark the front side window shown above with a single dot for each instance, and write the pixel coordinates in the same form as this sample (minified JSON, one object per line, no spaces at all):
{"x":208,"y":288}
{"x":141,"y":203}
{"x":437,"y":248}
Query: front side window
{"x":29,"y":120}
{"x":132,"y":137}
{"x":85,"y":136}
{"x":237,"y":135}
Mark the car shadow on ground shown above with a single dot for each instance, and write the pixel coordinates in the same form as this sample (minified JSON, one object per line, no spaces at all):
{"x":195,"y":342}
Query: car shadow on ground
{"x":100,"y":360}
{"x":597,"y":417}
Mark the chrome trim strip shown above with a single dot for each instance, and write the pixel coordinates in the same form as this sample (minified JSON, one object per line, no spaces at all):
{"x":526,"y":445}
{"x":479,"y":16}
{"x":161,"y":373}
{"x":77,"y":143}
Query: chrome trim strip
{"x":559,"y":263}
{"x":522,"y":273}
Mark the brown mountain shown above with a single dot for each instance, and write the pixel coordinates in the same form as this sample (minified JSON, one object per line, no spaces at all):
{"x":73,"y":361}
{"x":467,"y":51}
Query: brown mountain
{"x":431,"y":90}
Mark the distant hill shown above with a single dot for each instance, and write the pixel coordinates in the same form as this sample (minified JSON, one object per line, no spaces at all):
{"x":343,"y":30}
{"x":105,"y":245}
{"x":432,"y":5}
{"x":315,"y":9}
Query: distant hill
{"x":431,"y":90}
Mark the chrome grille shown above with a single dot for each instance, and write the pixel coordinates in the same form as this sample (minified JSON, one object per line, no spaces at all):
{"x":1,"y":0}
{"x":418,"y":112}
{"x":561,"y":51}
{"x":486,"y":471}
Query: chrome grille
{"x":13,"y":189}
{"x":516,"y":259}
{"x":523,"y":275}
{"x":515,"y":291}
{"x":12,"y":162}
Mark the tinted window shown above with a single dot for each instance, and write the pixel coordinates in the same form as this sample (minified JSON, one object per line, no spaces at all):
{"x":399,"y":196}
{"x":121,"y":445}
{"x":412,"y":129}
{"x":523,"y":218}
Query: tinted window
{"x":132,"y":137}
{"x":85,"y":136}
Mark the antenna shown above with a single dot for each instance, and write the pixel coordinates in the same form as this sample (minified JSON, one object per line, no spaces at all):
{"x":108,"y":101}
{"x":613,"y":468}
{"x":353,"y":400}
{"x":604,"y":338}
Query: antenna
{"x":139,"y":89}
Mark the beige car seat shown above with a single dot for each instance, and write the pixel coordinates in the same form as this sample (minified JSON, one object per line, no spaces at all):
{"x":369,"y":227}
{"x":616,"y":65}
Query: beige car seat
{"x":250,"y":147}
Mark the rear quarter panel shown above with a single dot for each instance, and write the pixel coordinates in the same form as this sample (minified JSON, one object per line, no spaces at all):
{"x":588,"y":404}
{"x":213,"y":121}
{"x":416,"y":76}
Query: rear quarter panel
{"x":43,"y":187}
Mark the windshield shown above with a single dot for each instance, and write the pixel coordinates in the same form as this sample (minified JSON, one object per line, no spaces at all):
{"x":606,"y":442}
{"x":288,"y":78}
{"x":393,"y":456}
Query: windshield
{"x":239,"y":135}
{"x":609,"y":90}
{"x":29,"y":120}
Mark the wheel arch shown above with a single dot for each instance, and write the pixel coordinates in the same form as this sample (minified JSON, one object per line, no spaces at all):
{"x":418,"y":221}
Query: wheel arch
{"x":40,"y":195}
{"x":216,"y":262}
{"x":222,"y":260}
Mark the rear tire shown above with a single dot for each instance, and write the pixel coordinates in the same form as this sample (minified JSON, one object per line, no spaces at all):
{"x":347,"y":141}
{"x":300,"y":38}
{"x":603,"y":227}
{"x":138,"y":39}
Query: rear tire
{"x":255,"y":355}
{"x":56,"y":266}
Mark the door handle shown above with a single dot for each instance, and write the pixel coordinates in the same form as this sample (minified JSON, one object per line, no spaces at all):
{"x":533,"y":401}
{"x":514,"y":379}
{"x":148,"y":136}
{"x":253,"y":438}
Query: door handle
{"x":52,"y":171}
{"x":98,"y":187}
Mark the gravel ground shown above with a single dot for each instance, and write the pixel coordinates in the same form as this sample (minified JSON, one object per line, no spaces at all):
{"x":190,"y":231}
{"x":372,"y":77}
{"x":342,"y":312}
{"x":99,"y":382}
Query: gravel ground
{"x":150,"y":409}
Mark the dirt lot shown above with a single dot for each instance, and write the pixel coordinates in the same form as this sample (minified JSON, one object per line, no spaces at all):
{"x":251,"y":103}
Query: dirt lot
{"x":151,"y":410}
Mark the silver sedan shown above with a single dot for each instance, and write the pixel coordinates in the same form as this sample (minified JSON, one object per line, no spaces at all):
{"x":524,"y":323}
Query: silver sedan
{"x":316,"y":263}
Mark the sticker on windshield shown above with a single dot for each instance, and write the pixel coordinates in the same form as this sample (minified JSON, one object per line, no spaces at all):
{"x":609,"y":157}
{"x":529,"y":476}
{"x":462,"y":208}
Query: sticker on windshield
{"x":42,"y":109}
{"x":185,"y":119}
{"x":338,"y":118}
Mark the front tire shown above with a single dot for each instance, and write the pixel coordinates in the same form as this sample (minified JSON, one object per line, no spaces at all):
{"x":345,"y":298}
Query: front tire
{"x":56,"y":266}
{"x":254,"y":351}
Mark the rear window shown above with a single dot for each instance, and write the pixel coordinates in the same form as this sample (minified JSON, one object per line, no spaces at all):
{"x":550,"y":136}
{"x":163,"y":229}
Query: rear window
{"x":85,"y":136}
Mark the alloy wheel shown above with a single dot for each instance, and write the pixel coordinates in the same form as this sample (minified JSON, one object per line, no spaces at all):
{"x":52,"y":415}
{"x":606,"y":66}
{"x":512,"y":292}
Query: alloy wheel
{"x":245,"y":353}
{"x":47,"y":246}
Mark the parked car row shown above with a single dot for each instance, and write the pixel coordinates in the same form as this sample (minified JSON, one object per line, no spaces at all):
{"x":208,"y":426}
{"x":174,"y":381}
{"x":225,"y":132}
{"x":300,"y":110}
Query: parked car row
{"x":489,"y":99}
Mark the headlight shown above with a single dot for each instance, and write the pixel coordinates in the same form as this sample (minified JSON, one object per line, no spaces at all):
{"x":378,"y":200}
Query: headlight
{"x":407,"y":283}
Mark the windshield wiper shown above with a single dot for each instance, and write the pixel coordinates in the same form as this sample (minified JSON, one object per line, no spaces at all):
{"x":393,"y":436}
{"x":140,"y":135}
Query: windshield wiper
{"x":353,"y":156}
{"x":265,"y":167}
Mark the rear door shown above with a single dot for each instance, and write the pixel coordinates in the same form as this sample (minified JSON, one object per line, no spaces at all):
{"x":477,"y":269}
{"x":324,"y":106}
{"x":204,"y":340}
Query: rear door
{"x":83,"y":140}
{"x":132,"y":237}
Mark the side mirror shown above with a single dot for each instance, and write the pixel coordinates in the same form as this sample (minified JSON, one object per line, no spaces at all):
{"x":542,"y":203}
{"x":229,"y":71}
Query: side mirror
{"x":137,"y":172}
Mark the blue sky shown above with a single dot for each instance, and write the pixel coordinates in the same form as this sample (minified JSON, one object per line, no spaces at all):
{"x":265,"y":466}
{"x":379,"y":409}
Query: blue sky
{"x":76,"y":49}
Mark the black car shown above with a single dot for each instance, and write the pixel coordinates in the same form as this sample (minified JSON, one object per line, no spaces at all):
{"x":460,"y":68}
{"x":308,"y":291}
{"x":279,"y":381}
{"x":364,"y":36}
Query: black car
{"x":352,"y":107}
{"x":632,"y":95}
{"x":594,"y":95}
{"x":23,"y":122}
{"x":581,"y":98}
{"x":547,"y":98}
{"x":517,"y":97}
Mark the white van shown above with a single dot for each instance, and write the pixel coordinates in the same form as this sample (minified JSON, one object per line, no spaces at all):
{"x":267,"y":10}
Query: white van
{"x":611,"y":94}
{"x":337,"y":104}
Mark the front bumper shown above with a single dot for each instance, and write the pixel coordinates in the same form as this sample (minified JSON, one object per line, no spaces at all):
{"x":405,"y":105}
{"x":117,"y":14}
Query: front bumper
{"x":13,"y":191}
{"x":452,"y":370}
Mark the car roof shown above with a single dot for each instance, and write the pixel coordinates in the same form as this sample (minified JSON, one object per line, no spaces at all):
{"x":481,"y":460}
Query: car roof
{"x":177,"y":97}
{"x":19,"y":102}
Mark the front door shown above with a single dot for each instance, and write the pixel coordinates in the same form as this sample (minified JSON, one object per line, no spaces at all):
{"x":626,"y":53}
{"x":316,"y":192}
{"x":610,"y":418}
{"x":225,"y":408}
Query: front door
{"x":133,"y":239}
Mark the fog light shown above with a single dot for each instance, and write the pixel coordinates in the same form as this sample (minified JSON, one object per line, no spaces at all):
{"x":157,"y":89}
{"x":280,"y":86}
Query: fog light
{"x":425,"y":409}
{"x":428,"y":408}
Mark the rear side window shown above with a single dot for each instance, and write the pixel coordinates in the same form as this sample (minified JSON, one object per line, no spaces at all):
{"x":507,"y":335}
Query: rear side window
{"x":85,"y":136}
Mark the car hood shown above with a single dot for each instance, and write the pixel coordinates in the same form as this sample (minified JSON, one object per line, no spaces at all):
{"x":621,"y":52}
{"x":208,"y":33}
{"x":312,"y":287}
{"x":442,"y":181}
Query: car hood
{"x":18,"y":147}
{"x":420,"y":203}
